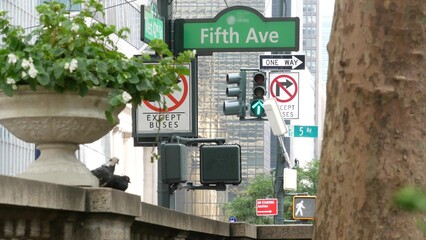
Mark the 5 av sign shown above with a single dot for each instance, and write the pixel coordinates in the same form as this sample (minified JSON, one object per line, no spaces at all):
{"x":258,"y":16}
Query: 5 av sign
{"x":237,"y":29}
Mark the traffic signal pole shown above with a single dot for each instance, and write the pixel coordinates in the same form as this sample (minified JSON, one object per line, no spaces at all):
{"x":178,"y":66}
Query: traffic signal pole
{"x":165,"y":196}
{"x":282,"y":162}
{"x":279,"y":129}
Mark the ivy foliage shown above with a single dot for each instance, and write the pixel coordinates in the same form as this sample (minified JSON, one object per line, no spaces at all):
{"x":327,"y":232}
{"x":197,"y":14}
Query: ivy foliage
{"x":74,"y":52}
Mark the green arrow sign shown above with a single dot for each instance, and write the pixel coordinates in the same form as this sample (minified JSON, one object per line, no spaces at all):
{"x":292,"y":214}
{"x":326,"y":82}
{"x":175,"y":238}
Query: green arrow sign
{"x":237,"y":29}
{"x":257,"y":108}
{"x":306,"y":131}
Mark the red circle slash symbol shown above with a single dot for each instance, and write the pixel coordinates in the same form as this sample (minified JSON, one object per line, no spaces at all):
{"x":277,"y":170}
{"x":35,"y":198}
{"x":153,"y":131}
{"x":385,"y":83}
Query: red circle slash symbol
{"x":278,"y":86}
{"x":175,"y":103}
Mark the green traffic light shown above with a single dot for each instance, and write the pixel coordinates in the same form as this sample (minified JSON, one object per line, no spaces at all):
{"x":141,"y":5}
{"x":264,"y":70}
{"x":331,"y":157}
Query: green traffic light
{"x":256,"y":107}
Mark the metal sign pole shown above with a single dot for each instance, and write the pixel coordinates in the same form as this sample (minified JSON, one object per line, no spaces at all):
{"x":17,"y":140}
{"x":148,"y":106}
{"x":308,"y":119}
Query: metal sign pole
{"x":163,"y":187}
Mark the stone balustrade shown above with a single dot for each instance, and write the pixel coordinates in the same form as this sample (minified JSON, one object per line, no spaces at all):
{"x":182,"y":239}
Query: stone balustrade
{"x":34,"y":210}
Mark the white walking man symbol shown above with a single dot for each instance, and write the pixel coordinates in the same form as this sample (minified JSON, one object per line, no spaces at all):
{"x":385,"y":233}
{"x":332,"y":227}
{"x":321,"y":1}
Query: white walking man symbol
{"x":299,"y":208}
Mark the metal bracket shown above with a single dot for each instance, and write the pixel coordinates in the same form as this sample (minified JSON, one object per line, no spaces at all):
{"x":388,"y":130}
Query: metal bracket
{"x":217,"y":187}
{"x":191,"y":141}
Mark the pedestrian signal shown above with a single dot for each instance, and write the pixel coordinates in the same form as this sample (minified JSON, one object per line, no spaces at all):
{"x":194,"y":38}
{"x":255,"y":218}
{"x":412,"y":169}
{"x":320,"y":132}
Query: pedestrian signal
{"x":304,"y":207}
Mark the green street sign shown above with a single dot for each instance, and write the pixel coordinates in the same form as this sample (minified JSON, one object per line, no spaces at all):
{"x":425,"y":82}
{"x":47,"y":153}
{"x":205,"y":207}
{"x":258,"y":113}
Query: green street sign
{"x":237,"y":29}
{"x":306,"y":131}
{"x":152,"y":26}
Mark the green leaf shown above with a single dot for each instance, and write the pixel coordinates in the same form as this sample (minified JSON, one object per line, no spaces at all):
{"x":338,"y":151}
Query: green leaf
{"x":133,"y":79}
{"x":183,"y":70}
{"x":58,"y":70}
{"x":7,"y":89}
{"x":108,"y":115}
{"x":411,"y":199}
{"x":94,"y":79}
{"x":121,"y":79}
{"x":43,"y":78}
{"x":102,"y":67}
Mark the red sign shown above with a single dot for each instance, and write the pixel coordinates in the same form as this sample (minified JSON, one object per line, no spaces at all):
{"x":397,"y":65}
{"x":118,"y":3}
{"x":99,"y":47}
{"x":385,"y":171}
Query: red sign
{"x":267,"y":207}
{"x":283,"y":88}
{"x":174,"y":101}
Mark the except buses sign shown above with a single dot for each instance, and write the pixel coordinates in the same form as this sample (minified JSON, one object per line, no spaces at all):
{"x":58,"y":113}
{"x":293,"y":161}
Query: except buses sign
{"x":237,"y":29}
{"x":151,"y":120}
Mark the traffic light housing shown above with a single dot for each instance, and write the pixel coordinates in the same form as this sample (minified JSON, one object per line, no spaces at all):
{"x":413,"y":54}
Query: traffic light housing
{"x":175,"y":157}
{"x":304,"y":207}
{"x":220,"y":164}
{"x":258,"y":91}
{"x":238,"y":106}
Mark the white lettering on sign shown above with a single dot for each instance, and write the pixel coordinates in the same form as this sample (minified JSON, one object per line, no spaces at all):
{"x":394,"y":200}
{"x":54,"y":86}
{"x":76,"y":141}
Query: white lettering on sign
{"x":219,"y":35}
{"x":262,"y":36}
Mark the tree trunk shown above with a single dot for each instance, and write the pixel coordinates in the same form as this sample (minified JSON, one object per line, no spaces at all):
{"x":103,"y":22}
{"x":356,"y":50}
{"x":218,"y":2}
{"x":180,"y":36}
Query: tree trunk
{"x":375,"y":126}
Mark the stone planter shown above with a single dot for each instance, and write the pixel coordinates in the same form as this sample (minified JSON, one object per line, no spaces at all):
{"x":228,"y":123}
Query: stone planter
{"x":57,"y":124}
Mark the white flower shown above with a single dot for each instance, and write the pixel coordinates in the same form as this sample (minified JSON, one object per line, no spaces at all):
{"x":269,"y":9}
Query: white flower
{"x":12,"y":58}
{"x":26,"y":64}
{"x":126,"y":96}
{"x":32,"y":72}
{"x":74,"y":27}
{"x":194,"y":53}
{"x":10,"y":81}
{"x":71,"y":66}
{"x":24,"y":74}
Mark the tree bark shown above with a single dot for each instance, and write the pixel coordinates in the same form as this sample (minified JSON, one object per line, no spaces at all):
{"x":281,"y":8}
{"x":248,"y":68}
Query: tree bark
{"x":375,"y":124}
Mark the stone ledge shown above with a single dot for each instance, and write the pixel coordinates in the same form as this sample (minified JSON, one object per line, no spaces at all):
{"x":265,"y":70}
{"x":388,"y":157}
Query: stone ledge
{"x":243,"y":230}
{"x":28,"y":204}
{"x":287,"y":231}
{"x":30,"y":193}
{"x":112,"y":201}
{"x":152,"y":214}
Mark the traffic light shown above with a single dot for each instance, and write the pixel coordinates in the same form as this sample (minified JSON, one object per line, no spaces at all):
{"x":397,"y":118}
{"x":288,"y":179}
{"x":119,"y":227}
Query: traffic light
{"x":174,"y":156}
{"x":220,"y":164}
{"x":238,"y":106}
{"x":304,"y":207}
{"x":259,"y":91}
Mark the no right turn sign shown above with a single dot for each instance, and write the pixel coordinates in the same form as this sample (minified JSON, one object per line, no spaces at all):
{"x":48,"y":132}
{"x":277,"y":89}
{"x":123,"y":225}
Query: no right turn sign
{"x":284,"y":87}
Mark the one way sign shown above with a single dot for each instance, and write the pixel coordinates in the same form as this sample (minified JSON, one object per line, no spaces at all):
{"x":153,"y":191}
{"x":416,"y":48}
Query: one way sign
{"x":279,"y":61}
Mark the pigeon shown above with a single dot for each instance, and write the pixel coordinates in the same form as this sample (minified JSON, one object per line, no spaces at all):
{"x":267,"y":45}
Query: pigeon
{"x":105,"y":172}
{"x":118,"y":182}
